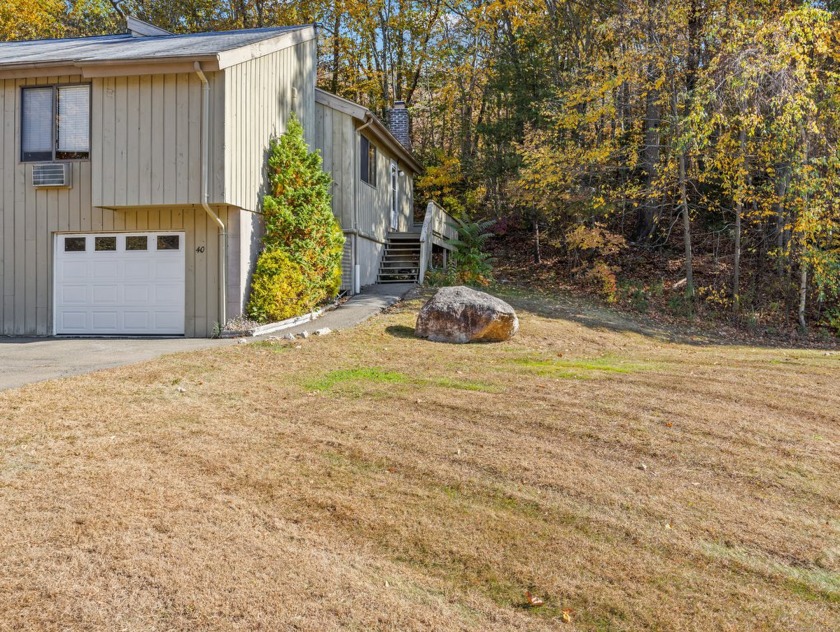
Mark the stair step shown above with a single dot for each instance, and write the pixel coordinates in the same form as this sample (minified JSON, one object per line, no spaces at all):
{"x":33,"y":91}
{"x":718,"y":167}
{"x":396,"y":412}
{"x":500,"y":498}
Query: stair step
{"x":402,"y":247}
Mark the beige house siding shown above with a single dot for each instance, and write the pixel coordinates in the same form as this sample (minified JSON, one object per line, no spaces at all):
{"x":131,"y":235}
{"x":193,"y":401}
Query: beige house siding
{"x":259,"y":97}
{"x":146,"y":140}
{"x":30,"y":218}
{"x":338,"y":139}
{"x":335,"y":137}
{"x":374,"y":203}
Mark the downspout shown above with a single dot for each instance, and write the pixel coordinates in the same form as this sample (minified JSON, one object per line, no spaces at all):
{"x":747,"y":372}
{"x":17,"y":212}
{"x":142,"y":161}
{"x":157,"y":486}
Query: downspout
{"x":357,"y":268}
{"x":205,"y":193}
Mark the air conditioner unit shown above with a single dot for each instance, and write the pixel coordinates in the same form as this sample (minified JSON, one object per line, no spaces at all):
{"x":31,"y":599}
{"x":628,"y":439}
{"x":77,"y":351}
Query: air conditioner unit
{"x":52,"y":174}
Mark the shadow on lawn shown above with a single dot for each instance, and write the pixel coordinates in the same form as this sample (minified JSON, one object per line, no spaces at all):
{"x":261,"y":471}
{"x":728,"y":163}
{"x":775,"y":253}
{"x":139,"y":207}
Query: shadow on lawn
{"x":400,"y":331}
{"x":594,"y":317}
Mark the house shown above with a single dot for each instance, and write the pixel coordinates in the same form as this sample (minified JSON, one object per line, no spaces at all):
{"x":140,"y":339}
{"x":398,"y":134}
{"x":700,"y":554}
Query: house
{"x":133,"y":167}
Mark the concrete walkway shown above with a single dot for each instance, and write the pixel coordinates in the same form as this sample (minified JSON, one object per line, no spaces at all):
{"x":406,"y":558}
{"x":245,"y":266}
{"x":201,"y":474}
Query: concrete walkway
{"x":27,"y":360}
{"x":357,"y":310}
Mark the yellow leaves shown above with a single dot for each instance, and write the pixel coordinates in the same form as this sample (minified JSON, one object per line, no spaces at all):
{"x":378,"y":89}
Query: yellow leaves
{"x":31,"y":19}
{"x":532,"y":600}
{"x":596,"y":238}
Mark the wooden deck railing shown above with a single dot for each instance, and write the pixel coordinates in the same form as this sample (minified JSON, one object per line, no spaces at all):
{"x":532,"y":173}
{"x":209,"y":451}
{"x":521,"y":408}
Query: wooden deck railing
{"x":438,"y":229}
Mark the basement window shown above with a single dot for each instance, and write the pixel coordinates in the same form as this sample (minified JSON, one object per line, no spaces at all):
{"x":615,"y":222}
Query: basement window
{"x":55,"y":123}
{"x":368,"y":160}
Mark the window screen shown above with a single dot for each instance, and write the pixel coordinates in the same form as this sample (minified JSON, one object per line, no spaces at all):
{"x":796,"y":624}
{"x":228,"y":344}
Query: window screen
{"x":37,"y":124}
{"x":55,"y":123}
{"x":73,"y":125}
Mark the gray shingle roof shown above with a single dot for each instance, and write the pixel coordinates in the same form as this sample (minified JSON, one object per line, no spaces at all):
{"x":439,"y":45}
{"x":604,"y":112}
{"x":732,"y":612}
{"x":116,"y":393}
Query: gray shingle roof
{"x":111,"y":48}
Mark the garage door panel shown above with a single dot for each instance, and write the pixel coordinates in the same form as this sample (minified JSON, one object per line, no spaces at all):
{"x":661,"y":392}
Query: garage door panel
{"x":73,"y":270}
{"x":105,"y":294}
{"x":74,"y":295}
{"x":105,"y":322}
{"x":137,"y":270}
{"x":168,"y":320}
{"x":119,"y":288}
{"x":106,"y":270}
{"x":74,"y":321}
{"x":136,"y":294}
{"x":139,"y":321}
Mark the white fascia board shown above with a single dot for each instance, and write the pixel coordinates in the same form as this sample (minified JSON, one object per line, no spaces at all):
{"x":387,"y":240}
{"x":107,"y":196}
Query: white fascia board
{"x":266,"y":47}
{"x":339,"y":104}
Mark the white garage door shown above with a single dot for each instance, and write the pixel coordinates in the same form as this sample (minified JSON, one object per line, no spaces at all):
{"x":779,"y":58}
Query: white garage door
{"x":120,"y":284}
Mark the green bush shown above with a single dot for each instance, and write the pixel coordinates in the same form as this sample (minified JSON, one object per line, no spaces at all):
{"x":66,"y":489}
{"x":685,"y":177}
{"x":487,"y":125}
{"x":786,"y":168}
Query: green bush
{"x":300,"y":223}
{"x":279,"y":289}
{"x":472,"y":265}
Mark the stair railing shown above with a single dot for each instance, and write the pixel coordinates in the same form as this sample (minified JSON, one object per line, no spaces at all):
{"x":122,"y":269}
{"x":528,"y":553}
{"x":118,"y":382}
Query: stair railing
{"x":437,"y":224}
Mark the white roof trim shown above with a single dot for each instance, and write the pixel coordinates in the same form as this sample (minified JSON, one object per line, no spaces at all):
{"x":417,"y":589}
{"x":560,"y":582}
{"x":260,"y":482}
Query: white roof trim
{"x":139,"y":28}
{"x":265,"y":47}
{"x":342,"y":105}
{"x":377,"y":129}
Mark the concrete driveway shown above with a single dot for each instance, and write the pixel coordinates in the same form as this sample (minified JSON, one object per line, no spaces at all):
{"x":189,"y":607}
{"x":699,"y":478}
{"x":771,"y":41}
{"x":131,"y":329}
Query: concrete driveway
{"x":27,"y":360}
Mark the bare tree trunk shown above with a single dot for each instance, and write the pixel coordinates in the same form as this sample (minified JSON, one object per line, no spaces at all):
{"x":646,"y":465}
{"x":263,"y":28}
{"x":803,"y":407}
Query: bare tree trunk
{"x":689,"y":263}
{"x":537,"y":247}
{"x":336,"y":52}
{"x":803,"y":293}
{"x":650,"y":160}
{"x":739,"y":211}
{"x":650,"y":155}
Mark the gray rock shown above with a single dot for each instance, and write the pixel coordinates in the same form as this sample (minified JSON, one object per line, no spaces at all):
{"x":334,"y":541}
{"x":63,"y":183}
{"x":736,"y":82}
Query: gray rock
{"x":460,"y":314}
{"x":324,"y":331}
{"x":304,"y":334}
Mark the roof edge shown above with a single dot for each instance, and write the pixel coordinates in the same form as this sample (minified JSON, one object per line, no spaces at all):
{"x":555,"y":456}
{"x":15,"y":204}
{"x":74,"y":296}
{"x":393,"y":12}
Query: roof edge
{"x":281,"y":41}
{"x":377,"y":127}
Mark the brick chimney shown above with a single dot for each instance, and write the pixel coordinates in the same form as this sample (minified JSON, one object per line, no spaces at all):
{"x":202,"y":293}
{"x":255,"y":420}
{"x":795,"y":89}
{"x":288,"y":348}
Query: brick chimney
{"x":399,"y":124}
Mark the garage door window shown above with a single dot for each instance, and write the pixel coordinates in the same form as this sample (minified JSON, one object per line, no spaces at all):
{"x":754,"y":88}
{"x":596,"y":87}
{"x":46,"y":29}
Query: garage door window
{"x":136,"y":243}
{"x":168,"y":242}
{"x":74,"y":244}
{"x":106,"y":244}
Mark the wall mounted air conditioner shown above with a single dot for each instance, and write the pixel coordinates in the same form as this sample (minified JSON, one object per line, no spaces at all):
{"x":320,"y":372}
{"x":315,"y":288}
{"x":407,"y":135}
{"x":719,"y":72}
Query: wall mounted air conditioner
{"x":52,"y":175}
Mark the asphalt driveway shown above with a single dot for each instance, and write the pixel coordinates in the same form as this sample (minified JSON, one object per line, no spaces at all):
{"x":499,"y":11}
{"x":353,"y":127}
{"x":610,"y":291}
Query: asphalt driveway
{"x":27,"y":360}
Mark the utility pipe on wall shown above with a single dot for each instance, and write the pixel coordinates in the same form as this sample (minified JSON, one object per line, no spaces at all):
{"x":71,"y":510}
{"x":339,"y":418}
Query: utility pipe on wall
{"x":205,"y":192}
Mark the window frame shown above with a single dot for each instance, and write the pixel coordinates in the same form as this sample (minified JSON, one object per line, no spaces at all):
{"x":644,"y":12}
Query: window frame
{"x":369,"y":177}
{"x":54,"y":129}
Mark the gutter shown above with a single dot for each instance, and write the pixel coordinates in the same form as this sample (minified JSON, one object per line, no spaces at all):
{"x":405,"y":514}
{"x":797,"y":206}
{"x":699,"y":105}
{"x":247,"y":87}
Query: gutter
{"x":205,"y":193}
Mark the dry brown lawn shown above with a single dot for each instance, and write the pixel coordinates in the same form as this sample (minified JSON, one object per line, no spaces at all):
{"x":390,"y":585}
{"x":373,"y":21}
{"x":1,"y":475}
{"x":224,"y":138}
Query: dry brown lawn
{"x":372,"y":481}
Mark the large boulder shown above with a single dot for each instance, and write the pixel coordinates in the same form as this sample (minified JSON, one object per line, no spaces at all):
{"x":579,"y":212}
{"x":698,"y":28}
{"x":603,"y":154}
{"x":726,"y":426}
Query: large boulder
{"x":460,"y":314}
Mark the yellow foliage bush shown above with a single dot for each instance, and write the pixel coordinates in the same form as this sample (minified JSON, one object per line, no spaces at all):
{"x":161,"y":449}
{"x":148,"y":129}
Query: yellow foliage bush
{"x":279,"y":289}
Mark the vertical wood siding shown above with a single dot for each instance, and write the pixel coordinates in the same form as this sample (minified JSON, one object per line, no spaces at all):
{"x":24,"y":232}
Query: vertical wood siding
{"x":29,"y":219}
{"x":335,"y":138}
{"x":146,"y":135}
{"x":259,"y":98}
{"x":374,"y":203}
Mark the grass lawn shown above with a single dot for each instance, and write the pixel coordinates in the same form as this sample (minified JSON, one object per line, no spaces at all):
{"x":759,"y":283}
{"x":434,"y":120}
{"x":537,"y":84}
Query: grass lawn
{"x":370,"y":480}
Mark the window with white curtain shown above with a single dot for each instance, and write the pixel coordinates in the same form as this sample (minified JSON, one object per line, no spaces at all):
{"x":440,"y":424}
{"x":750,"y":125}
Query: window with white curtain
{"x":55,"y":123}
